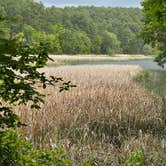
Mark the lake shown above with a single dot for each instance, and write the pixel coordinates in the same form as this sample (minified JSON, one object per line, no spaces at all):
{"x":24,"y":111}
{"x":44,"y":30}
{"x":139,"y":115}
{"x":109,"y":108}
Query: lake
{"x":146,"y":64}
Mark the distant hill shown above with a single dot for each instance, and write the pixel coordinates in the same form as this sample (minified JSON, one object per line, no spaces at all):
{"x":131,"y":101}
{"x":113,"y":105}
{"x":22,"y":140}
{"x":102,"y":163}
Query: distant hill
{"x":77,"y":30}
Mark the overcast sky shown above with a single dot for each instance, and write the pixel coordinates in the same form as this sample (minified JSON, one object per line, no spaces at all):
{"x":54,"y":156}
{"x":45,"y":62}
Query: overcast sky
{"x":121,"y":3}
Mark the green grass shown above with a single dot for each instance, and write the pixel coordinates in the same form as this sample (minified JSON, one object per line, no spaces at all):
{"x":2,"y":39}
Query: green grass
{"x":75,"y":62}
{"x":153,"y":80}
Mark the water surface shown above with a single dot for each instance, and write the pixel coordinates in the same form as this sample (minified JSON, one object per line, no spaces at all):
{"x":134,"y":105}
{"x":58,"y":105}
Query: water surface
{"x":146,"y":64}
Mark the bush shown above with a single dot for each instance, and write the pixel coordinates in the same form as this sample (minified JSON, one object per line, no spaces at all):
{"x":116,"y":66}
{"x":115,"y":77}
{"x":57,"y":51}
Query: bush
{"x":136,"y":159}
{"x":143,"y":75}
{"x":15,"y":151}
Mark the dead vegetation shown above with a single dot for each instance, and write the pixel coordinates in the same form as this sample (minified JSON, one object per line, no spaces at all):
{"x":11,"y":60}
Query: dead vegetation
{"x":104,"y":119}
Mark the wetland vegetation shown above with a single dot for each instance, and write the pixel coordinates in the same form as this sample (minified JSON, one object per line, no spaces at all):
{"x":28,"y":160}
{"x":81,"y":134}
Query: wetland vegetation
{"x":103,"y":103}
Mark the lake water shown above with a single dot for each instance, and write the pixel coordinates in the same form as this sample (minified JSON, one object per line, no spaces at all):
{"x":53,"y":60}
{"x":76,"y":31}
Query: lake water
{"x":146,"y":64}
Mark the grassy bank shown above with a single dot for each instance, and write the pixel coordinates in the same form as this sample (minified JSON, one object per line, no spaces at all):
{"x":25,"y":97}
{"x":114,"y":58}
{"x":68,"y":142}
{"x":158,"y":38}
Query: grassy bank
{"x":105,"y":119}
{"x":153,"y":80}
{"x":79,"y":59}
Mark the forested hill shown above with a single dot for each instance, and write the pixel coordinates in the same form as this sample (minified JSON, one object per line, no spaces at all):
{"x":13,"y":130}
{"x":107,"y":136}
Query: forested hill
{"x":77,"y":30}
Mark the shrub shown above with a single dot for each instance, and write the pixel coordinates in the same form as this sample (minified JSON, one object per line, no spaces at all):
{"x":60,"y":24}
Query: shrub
{"x":136,"y":159}
{"x":15,"y":151}
{"x":143,"y":75}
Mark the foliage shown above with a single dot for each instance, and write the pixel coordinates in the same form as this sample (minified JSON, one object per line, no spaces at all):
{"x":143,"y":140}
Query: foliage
{"x":141,"y":76}
{"x":147,"y":50}
{"x":110,"y":43}
{"x":52,"y":40}
{"x":136,"y":46}
{"x":19,"y":72}
{"x":155,"y":26}
{"x":74,"y":42}
{"x":15,"y":151}
{"x":85,"y":26}
{"x":136,"y":159}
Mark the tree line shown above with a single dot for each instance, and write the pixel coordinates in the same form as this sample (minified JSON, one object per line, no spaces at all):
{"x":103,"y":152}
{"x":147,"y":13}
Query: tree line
{"x":77,"y":30}
{"x":18,"y":73}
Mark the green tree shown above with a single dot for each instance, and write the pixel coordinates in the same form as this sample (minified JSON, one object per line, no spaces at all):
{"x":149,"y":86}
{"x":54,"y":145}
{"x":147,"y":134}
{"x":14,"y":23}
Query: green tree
{"x":19,"y":71}
{"x":33,"y":36}
{"x":125,"y":35}
{"x":53,"y":43}
{"x":19,"y":64}
{"x":147,"y":50}
{"x":2,"y":11}
{"x":155,"y":26}
{"x":48,"y":24}
{"x":55,"y":37}
{"x":110,"y":44}
{"x":96,"y":44}
{"x":75,"y":42}
{"x":135,"y":45}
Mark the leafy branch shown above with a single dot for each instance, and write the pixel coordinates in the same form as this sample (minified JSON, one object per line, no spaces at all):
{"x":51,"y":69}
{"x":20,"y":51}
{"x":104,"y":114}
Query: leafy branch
{"x":19,"y":72}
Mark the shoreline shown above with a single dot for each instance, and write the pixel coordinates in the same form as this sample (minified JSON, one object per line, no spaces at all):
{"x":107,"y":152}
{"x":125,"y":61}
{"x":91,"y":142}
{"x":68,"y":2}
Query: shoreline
{"x":77,"y":59}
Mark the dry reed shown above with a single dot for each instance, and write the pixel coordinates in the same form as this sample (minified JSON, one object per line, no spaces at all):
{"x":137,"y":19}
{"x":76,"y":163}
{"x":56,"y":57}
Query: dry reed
{"x":105,"y":118}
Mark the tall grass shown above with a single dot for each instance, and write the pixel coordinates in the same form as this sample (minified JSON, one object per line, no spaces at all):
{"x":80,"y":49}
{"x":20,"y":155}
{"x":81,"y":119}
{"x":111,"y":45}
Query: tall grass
{"x":104,"y":119}
{"x":153,"y":80}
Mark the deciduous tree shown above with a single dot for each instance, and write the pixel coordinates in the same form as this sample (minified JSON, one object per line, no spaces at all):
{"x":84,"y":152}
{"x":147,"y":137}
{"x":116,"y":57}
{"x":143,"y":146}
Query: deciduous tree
{"x":155,"y":26}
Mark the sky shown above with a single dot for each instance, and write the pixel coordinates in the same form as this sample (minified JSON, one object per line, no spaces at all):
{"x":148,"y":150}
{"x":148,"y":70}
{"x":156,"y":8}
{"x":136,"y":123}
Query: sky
{"x":113,"y":3}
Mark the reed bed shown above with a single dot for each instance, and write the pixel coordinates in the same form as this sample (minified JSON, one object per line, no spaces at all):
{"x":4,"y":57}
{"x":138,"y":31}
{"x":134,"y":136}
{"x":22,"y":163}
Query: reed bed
{"x":103,"y":120}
